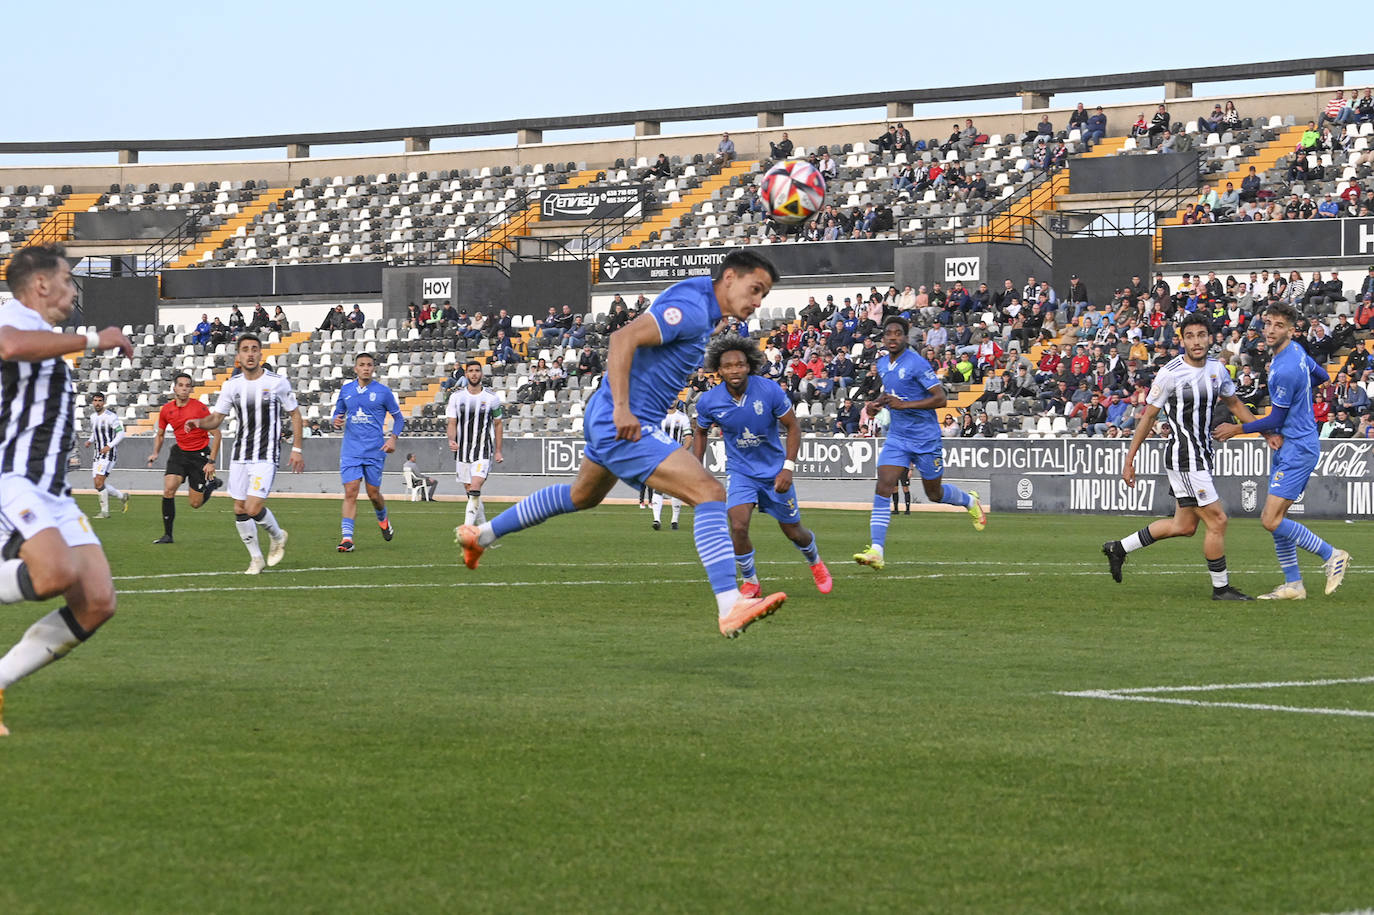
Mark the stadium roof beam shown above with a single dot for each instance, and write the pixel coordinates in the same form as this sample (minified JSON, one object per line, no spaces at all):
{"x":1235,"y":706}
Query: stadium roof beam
{"x":1329,"y":71}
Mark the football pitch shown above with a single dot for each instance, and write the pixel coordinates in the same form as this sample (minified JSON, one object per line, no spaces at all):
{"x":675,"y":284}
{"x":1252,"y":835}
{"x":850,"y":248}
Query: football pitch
{"x":989,"y":725}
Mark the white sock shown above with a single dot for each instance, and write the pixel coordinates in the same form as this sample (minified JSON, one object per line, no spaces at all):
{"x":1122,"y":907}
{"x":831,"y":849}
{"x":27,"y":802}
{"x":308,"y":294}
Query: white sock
{"x":725,"y":601}
{"x":878,"y":548}
{"x":470,"y":513}
{"x":112,"y":491}
{"x":269,"y":522}
{"x":104,"y":495}
{"x":1132,"y":543}
{"x":481,"y":511}
{"x":46,"y":640}
{"x":248,"y":532}
{"x":485,"y":535}
{"x":10,"y":592}
{"x":677,"y":510}
{"x":657,"y":506}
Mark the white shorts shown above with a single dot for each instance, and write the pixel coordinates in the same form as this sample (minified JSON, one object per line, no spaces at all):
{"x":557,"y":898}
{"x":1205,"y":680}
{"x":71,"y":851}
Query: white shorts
{"x":27,"y":509}
{"x":1192,"y":487}
{"x":102,"y":467}
{"x":469,"y":469}
{"x":251,"y":479}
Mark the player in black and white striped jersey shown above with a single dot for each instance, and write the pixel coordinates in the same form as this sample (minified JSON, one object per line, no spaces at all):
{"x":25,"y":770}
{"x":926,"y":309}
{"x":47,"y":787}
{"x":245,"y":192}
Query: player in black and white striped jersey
{"x":106,"y":434}
{"x":49,"y":549}
{"x":677,"y":427}
{"x":1186,"y":391}
{"x":257,"y":398}
{"x":475,"y":431}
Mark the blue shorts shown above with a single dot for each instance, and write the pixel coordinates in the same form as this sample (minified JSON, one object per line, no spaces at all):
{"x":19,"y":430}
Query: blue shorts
{"x":746,"y":490}
{"x":1291,"y":471}
{"x":632,"y":462}
{"x":929,"y":464}
{"x":367,"y":469}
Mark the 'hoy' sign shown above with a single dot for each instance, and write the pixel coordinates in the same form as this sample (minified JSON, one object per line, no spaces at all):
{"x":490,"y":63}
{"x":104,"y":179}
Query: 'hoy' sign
{"x":437,"y":287}
{"x":962,"y":268}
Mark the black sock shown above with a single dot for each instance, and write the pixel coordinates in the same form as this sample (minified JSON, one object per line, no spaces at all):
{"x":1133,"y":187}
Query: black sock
{"x":907,"y":496}
{"x":894,"y":501}
{"x":1145,"y":537}
{"x":169,"y":514}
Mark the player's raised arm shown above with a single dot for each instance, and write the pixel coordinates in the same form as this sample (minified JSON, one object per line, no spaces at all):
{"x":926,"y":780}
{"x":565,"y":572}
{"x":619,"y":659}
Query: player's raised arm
{"x":642,"y":331}
{"x":36,"y":345}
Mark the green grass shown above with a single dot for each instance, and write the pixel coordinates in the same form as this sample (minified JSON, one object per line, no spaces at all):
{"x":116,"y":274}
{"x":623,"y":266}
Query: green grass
{"x":421,"y":738}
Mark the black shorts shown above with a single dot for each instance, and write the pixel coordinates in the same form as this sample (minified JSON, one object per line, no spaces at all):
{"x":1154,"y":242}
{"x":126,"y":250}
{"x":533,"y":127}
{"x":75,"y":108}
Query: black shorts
{"x":905,"y":478}
{"x":189,"y":464}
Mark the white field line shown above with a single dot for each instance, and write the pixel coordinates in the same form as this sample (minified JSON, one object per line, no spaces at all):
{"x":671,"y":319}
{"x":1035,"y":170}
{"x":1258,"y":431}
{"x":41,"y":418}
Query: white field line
{"x":1150,"y":694}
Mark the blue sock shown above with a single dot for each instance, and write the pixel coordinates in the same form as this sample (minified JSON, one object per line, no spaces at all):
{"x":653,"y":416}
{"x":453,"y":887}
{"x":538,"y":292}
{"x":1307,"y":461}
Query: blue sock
{"x":1287,"y":552}
{"x":811,"y":552}
{"x":744,"y":562}
{"x":711,"y":531}
{"x":347,"y":526}
{"x":536,"y":508}
{"x":1304,"y":538}
{"x":881,"y":518}
{"x":380,"y":513}
{"x":953,"y":495}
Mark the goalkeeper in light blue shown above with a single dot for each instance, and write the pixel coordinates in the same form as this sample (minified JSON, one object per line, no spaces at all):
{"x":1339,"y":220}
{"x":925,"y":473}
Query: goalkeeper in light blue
{"x":648,"y":364}
{"x":1292,"y":376}
{"x":912,"y":392}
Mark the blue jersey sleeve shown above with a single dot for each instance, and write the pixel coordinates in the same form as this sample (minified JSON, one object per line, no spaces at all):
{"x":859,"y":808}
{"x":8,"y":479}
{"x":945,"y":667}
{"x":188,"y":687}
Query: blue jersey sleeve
{"x":680,"y":317}
{"x":706,"y":417}
{"x":340,"y":402}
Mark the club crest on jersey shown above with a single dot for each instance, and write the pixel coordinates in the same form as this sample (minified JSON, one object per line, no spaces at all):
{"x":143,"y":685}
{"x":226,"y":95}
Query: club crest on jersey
{"x":672,"y":315}
{"x":901,"y":373}
{"x":27,"y":516}
{"x":372,"y":396}
{"x":758,"y":407}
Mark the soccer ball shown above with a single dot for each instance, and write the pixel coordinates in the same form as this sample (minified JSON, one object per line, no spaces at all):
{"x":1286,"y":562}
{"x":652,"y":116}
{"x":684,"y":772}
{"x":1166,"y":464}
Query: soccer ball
{"x":792,"y":191}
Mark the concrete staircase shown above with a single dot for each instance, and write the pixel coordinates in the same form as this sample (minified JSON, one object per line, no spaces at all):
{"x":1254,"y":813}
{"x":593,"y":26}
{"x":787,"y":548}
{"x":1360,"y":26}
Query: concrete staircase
{"x":221,"y":234}
{"x":57,"y":227}
{"x":664,"y":218}
{"x":486,"y":249}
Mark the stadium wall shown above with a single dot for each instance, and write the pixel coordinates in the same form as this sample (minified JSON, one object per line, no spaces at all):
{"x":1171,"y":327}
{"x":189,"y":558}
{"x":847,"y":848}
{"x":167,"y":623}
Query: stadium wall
{"x":1113,"y":174}
{"x":1068,"y":475}
{"x":1344,"y":242}
{"x":1103,"y":265}
{"x":970,"y":263}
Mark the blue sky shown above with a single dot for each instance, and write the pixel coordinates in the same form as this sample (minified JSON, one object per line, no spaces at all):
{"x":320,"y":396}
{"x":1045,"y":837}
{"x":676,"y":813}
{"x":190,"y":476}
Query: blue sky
{"x":161,"y":69}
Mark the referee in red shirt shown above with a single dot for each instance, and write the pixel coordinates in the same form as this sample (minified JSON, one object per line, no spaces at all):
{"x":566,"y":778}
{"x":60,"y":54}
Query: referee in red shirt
{"x":193,"y":456}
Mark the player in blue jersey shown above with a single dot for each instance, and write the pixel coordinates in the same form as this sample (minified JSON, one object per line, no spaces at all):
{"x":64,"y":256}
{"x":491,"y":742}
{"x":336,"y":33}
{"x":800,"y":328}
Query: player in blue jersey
{"x":1292,"y":375}
{"x":912,"y":393}
{"x":648,"y":363}
{"x":360,"y":412}
{"x":749,"y":410}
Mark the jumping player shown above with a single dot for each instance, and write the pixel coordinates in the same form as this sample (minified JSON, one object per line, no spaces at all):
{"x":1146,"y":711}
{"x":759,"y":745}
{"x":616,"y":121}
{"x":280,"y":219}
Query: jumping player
{"x":1292,"y":375}
{"x":912,"y":393}
{"x":649,"y":362}
{"x":106,"y":434}
{"x":193,"y":455}
{"x":1186,"y":391}
{"x":361,"y":411}
{"x":749,"y":410}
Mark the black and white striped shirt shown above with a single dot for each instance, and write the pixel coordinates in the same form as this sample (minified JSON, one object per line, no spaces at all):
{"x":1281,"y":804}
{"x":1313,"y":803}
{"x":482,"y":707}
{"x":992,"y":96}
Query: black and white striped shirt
{"x":477,"y":416}
{"x":1187,"y":396}
{"x":37,"y":422}
{"x":676,"y":426}
{"x":106,"y":432}
{"x":258,"y":405}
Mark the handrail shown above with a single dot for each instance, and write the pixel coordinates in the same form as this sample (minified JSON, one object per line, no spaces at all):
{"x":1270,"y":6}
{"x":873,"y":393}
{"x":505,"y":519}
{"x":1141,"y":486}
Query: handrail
{"x":1040,"y":88}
